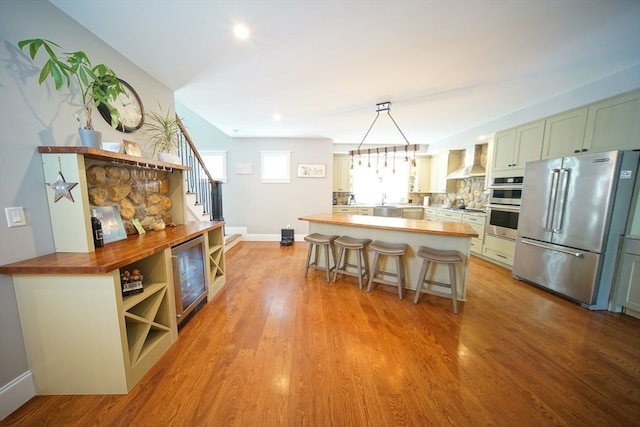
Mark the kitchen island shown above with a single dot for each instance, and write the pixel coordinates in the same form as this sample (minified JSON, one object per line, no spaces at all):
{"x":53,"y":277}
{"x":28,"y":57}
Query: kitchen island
{"x":414,"y":232}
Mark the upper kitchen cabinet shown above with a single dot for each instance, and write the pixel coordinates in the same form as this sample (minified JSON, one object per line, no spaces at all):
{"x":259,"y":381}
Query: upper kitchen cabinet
{"x":614,"y":124}
{"x":512,"y":148}
{"x":423,"y":175}
{"x":440,"y":166}
{"x":341,"y":173}
{"x":564,"y":134}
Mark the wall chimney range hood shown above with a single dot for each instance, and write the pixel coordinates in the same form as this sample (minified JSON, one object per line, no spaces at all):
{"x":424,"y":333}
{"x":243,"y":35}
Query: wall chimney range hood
{"x":472,"y":164}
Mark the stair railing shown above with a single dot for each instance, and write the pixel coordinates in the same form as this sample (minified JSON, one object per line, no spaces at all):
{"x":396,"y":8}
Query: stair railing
{"x":199,"y":180}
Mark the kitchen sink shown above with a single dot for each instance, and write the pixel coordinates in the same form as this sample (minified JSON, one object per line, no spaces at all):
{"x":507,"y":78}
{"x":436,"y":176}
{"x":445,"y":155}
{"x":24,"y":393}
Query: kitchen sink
{"x":389,"y":211}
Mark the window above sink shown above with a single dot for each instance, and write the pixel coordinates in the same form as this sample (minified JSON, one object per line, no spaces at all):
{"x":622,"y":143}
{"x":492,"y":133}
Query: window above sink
{"x":369,"y":187}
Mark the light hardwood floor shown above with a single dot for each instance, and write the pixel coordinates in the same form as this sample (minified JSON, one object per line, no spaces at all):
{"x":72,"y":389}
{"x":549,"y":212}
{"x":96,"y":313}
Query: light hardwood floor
{"x":276,"y":349}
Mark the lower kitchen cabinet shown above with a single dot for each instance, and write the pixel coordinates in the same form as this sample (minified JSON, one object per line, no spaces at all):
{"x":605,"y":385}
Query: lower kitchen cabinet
{"x":351,"y":210}
{"x":449,"y":216}
{"x":413,"y":213}
{"x":431,"y":214}
{"x":499,"y":249}
{"x":477,"y":222}
{"x":627,"y":282}
{"x":365,"y":211}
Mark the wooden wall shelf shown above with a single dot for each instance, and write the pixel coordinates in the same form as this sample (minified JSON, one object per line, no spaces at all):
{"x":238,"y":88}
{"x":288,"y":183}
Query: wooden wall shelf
{"x":110,"y":156}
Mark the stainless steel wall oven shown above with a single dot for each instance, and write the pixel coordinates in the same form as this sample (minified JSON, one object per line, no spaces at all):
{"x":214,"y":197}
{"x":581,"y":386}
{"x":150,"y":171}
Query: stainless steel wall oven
{"x":502,"y":221}
{"x":504,"y":207}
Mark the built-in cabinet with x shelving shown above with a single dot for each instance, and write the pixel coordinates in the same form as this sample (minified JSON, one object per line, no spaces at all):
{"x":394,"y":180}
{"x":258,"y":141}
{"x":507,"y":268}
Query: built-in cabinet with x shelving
{"x":81,"y":334}
{"x":215,"y":250}
{"x":148,"y":316}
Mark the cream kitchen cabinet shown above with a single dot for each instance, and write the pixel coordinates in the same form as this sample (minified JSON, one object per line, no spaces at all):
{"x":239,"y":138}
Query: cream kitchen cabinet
{"x":431,"y":214}
{"x":423,"y":175}
{"x":564,"y":134}
{"x":499,"y":249}
{"x":413,"y":213}
{"x":477,"y":222}
{"x":627,"y":282}
{"x":351,"y":210}
{"x":365,"y":211}
{"x":440,"y":166}
{"x":450,"y":216}
{"x":341,"y":173}
{"x":614,"y":124}
{"x":512,"y":148}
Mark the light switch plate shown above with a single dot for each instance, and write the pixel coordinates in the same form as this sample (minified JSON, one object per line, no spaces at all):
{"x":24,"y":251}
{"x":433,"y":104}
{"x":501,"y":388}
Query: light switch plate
{"x":15,"y":216}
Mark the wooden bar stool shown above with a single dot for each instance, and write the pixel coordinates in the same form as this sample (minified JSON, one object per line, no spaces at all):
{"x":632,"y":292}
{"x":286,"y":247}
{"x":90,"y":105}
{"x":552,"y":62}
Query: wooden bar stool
{"x":316,"y":240}
{"x":381,"y":249}
{"x":449,"y":257}
{"x":346,"y":244}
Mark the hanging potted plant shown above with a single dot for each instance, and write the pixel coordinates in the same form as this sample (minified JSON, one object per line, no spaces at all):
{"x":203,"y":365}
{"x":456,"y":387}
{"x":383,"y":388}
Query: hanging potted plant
{"x":98,"y":83}
{"x":161,"y":129}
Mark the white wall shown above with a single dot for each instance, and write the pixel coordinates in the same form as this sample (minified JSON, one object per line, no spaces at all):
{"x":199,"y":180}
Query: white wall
{"x":264,"y":209}
{"x":30,"y":116}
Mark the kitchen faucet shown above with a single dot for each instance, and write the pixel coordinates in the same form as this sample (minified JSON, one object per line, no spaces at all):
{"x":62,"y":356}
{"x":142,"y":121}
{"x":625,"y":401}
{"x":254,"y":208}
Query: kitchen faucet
{"x":384,"y":196}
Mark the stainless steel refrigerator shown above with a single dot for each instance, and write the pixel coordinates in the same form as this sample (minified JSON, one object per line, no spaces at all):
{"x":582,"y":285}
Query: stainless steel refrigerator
{"x":572,"y":214}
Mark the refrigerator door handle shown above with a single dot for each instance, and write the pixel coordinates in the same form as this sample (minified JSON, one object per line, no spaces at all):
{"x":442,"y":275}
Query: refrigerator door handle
{"x":562,"y":198}
{"x":551,"y":200}
{"x":564,"y":251}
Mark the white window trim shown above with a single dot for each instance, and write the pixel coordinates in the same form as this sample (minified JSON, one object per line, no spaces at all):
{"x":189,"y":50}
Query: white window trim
{"x":283,"y":155}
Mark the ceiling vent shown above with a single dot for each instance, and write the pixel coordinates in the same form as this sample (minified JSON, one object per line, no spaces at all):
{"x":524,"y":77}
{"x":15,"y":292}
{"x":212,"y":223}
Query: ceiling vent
{"x":472,"y":164}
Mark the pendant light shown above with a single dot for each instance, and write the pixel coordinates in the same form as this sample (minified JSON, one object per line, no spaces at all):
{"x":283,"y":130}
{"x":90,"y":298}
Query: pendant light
{"x":386,"y":107}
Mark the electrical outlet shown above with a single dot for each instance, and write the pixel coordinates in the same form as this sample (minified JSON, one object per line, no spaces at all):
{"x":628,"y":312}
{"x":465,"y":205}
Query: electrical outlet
{"x":15,"y":217}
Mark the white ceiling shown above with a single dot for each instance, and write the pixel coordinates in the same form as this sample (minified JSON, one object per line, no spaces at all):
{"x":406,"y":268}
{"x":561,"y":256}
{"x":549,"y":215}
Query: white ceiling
{"x":446,"y":66}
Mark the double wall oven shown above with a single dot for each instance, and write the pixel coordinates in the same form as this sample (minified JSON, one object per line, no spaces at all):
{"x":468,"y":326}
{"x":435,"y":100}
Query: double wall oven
{"x":504,"y":207}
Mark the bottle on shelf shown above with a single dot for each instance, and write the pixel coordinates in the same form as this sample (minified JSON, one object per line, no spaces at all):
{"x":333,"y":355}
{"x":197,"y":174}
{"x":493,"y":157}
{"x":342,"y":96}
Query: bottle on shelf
{"x":96,"y":226}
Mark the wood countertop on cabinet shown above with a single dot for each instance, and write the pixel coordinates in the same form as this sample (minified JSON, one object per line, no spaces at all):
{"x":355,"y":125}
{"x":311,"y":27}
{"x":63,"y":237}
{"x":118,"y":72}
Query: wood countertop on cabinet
{"x":112,"y":255}
{"x":453,"y":229}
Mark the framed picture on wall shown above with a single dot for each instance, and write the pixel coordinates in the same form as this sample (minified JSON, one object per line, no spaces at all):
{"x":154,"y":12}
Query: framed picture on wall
{"x":312,"y":170}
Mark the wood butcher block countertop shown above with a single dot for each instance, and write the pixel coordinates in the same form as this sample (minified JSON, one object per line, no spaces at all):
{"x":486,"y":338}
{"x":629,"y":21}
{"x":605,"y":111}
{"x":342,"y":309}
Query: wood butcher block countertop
{"x":453,"y":229}
{"x":112,"y":255}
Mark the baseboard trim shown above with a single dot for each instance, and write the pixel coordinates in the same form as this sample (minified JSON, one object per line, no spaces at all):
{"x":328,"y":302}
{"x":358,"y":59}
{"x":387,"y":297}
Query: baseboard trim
{"x":270,"y":237}
{"x":235,"y":230}
{"x":16,"y":393}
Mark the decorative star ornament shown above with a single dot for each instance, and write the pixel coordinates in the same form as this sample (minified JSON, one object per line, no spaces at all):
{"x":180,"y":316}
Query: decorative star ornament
{"x":62,"y":188}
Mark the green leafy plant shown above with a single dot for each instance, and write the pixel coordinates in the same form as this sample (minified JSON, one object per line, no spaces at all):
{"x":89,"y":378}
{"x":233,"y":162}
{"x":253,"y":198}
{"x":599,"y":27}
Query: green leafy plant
{"x":161,"y":129}
{"x":98,"y":83}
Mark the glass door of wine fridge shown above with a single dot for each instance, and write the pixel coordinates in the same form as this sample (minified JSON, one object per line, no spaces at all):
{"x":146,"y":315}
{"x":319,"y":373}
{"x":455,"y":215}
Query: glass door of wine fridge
{"x":189,"y":276}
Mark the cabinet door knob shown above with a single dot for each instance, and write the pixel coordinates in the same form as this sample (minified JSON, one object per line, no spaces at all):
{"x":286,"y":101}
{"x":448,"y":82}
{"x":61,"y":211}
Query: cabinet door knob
{"x":576,"y":151}
{"x":584,"y":150}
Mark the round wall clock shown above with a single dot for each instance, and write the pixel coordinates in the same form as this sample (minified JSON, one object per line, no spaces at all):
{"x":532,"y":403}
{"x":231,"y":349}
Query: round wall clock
{"x":129,"y":108}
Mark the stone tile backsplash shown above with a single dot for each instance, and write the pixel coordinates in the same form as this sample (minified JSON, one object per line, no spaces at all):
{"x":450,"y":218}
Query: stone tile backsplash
{"x":471,"y":190}
{"x":138,"y":193}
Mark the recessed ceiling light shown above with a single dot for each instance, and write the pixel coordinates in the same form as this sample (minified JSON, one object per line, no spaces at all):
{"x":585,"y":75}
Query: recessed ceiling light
{"x":277,"y":116}
{"x":241,"y":31}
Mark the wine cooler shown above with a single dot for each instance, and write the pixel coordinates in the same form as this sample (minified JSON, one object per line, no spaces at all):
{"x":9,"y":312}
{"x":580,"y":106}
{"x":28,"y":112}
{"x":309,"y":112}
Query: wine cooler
{"x":189,"y":276}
